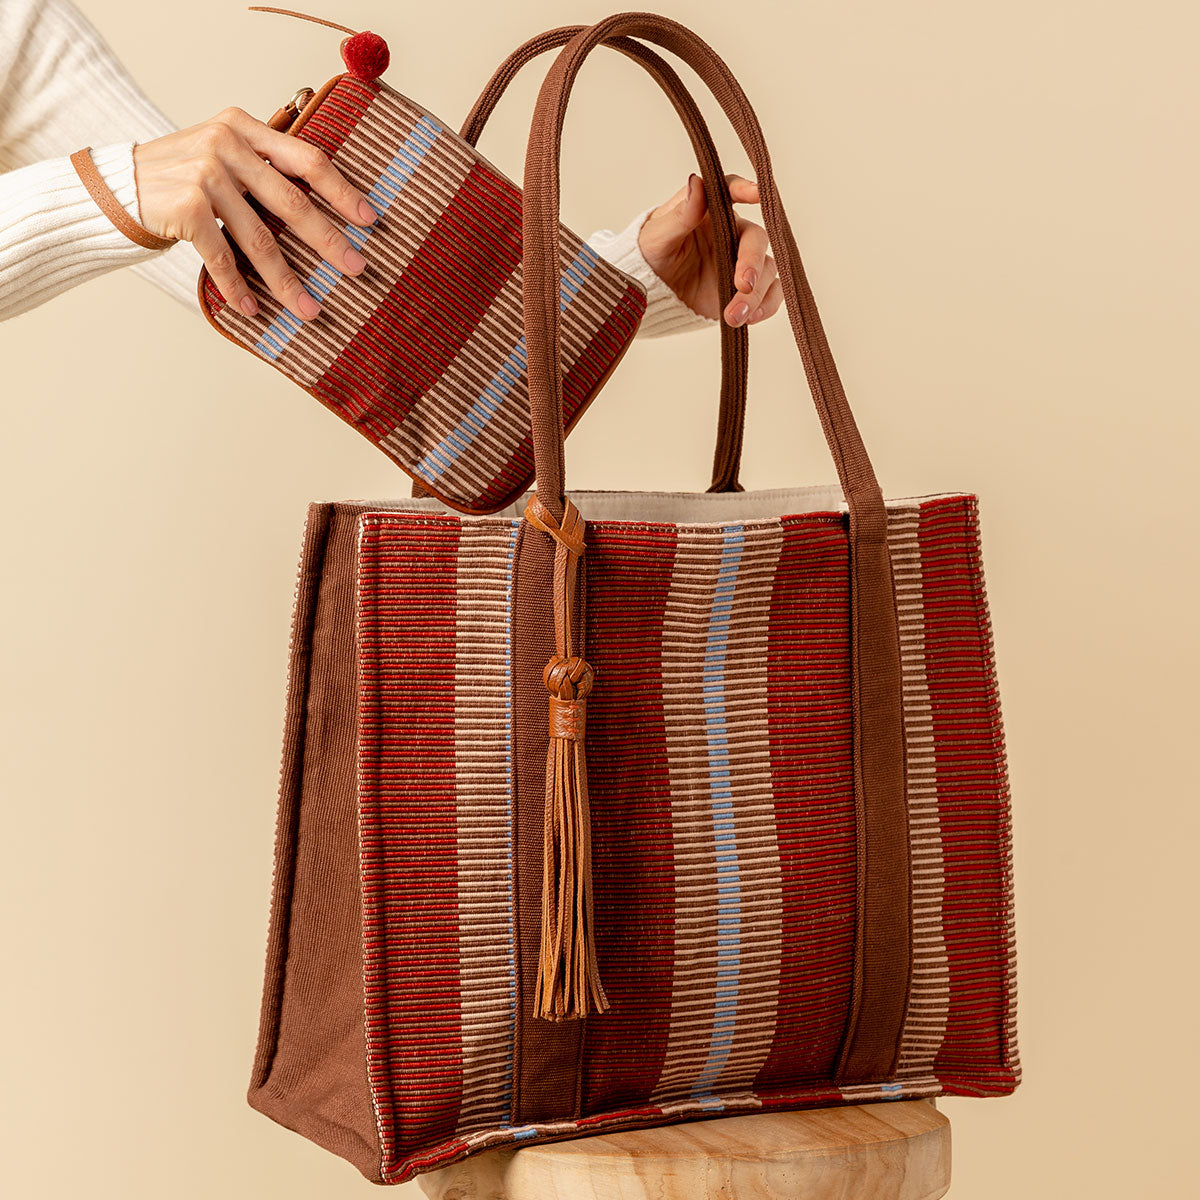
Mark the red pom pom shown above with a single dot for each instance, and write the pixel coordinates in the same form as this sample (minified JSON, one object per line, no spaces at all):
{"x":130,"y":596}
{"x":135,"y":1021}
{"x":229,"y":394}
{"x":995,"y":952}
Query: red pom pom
{"x":366,"y":55}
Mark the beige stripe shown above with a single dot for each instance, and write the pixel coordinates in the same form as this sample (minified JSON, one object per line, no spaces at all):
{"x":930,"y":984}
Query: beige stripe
{"x":482,"y":754}
{"x":690,"y":1059}
{"x":928,"y":1006}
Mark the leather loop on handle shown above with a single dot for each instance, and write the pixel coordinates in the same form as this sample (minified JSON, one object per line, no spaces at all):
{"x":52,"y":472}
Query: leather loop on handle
{"x":883,"y":936}
{"x":735,"y":341}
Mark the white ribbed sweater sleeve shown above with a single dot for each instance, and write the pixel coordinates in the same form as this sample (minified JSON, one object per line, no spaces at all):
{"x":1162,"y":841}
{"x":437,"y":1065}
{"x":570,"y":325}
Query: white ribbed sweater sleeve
{"x":62,"y":87}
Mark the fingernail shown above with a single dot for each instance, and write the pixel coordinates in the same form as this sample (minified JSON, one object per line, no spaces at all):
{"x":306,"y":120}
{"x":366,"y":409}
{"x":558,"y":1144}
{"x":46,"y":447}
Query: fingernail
{"x":751,"y":278}
{"x":307,"y":305}
{"x":758,"y":316}
{"x":248,"y":305}
{"x":353,"y":260}
{"x":691,"y":185}
{"x":367,"y":213}
{"x":741,"y":313}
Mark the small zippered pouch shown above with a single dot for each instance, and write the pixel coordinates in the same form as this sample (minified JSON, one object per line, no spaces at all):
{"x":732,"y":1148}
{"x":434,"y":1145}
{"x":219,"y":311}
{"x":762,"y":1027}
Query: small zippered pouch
{"x":424,"y":352}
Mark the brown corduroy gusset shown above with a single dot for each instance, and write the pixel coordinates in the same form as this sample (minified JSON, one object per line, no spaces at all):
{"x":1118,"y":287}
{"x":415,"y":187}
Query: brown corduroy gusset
{"x":568,"y":977}
{"x":884,"y":923}
{"x":310,"y":1065}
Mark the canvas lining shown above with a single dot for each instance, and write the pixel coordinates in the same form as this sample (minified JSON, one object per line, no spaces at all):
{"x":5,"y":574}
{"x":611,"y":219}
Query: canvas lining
{"x":672,"y":507}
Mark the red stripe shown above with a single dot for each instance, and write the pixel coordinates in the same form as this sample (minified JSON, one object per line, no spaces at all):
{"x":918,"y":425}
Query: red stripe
{"x":420,"y":326}
{"x":969,"y":809}
{"x":628,"y":574}
{"x":812,"y":777}
{"x":409,"y":828}
{"x":339,"y":115}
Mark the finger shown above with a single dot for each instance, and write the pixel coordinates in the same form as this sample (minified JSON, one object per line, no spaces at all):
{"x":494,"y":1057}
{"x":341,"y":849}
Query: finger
{"x":669,"y":226}
{"x":770,"y":305}
{"x":671,"y":223}
{"x":741,"y":189}
{"x":742,"y":307}
{"x":751,"y":256}
{"x":258,"y":242}
{"x":214,"y":248}
{"x":288,"y":200}
{"x":303,"y":160}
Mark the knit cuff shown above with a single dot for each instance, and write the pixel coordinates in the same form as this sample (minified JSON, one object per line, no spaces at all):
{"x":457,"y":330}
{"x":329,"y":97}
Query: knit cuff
{"x":665,"y":311}
{"x":54,"y":236}
{"x":115,"y":164}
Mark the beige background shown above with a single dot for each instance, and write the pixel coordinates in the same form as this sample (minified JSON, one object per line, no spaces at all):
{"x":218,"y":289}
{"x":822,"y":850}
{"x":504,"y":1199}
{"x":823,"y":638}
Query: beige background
{"x":997,"y":207}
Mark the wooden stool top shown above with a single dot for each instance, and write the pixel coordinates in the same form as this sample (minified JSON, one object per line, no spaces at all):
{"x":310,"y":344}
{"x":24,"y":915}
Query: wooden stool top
{"x":894,"y":1150}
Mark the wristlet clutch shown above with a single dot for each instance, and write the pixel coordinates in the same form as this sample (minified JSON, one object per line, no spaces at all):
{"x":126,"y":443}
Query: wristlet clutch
{"x":424,"y":352}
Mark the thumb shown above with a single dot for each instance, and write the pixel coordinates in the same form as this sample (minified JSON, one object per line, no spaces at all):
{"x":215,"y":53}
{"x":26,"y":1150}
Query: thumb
{"x":667,"y":229}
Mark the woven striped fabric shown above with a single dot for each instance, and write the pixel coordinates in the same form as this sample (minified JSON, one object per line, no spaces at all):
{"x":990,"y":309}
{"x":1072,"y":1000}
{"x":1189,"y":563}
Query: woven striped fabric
{"x":424,"y":352}
{"x":723,"y":821}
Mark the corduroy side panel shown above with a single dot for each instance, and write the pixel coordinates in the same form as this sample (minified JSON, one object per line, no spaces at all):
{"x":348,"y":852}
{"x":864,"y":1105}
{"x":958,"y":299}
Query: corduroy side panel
{"x":430,"y":367}
{"x":310,"y":1070}
{"x":723,"y":813}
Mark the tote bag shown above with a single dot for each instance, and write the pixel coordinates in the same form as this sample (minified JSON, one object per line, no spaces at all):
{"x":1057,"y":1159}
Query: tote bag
{"x":618,"y":809}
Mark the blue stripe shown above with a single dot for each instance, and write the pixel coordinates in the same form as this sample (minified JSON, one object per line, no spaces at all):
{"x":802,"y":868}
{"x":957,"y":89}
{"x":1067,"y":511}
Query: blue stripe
{"x":324,"y":278}
{"x":729,"y":892}
{"x":438,"y":460}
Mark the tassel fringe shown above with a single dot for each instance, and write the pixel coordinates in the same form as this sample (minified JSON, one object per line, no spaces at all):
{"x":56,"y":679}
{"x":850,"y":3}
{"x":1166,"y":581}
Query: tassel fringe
{"x":568,"y":978}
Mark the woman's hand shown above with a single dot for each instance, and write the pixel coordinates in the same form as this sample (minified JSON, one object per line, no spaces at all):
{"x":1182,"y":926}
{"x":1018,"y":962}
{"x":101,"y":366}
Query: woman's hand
{"x":187,"y":179}
{"x":676,"y":240}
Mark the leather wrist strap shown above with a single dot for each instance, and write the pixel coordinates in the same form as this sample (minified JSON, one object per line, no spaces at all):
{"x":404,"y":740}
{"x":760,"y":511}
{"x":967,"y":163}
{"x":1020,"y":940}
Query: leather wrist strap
{"x":111,"y":207}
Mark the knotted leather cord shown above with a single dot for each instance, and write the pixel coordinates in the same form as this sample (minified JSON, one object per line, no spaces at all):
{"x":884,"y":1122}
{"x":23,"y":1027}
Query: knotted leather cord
{"x":735,"y":340}
{"x":568,"y":978}
{"x":871,"y":1042}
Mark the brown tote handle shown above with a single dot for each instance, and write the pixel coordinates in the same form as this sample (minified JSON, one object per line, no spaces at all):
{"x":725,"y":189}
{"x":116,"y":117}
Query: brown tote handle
{"x":735,"y":341}
{"x":871,"y":1040}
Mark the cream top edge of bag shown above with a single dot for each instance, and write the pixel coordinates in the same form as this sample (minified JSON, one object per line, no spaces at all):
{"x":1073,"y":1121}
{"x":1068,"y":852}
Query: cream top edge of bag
{"x":691,"y":508}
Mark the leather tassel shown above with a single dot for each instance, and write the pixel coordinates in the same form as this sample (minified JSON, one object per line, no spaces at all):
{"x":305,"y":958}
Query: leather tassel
{"x":568,"y":978}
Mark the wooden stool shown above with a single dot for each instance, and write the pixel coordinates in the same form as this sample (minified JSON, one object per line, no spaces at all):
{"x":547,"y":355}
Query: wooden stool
{"x":896,"y":1150}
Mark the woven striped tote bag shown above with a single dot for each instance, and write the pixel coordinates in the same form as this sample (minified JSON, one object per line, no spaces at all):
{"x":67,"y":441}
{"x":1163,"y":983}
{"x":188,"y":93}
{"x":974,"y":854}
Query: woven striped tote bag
{"x":617,"y":809}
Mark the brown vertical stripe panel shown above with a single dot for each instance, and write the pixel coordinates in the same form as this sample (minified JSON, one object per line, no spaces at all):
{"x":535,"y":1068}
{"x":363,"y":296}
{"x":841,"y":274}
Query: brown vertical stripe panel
{"x":546,"y":1083}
